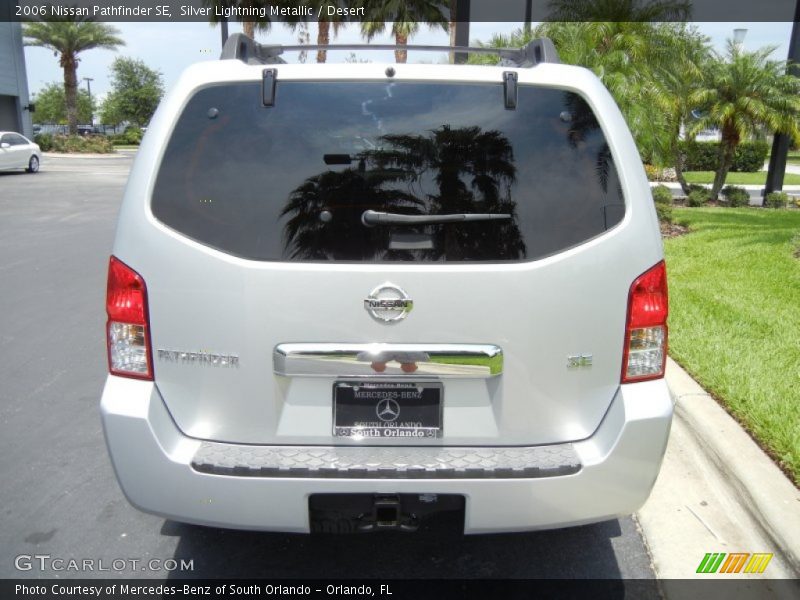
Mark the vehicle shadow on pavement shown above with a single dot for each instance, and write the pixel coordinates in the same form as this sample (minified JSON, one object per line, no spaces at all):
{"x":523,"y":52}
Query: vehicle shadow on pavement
{"x":578,"y":552}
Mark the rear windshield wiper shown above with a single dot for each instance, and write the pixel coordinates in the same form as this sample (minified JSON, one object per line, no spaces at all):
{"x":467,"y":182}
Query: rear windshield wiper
{"x":371,"y":217}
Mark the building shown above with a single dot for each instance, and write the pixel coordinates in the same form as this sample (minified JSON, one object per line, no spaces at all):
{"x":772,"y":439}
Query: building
{"x":14,"y":102}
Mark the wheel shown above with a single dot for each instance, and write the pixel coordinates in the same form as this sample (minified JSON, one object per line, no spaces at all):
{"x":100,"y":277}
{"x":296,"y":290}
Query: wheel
{"x":33,"y":165}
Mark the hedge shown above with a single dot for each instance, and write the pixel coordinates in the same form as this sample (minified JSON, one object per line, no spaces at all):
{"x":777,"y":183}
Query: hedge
{"x":45,"y":141}
{"x":131,"y":136}
{"x":703,"y":156}
{"x":90,"y":144}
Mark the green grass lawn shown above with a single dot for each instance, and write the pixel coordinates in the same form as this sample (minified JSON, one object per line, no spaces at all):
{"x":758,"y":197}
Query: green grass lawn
{"x":735,"y":317}
{"x":759,"y":178}
{"x":495,"y":363}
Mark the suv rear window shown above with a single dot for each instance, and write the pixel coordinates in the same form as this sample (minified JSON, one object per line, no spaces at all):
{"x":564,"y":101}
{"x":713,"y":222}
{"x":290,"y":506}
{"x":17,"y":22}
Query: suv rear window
{"x":292,"y":181}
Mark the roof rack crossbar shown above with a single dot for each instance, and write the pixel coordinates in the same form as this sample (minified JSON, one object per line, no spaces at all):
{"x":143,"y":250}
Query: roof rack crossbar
{"x":243,"y":48}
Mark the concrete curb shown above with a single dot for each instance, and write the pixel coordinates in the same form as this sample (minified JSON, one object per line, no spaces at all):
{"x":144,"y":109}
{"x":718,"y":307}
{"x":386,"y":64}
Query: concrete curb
{"x":764,"y":491}
{"x":119,"y":154}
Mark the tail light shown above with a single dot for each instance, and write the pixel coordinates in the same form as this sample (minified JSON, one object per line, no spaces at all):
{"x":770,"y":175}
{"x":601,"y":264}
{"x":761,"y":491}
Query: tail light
{"x":128,"y":328}
{"x":645,"y":354}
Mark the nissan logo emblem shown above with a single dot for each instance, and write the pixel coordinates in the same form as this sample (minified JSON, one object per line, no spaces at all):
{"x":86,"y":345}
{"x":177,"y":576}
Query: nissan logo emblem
{"x":388,"y":303}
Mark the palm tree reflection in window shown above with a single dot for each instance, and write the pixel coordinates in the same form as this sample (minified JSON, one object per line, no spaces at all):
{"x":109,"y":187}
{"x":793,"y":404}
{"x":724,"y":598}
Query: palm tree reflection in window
{"x":463,"y":170}
{"x":345,"y":195}
{"x":583,"y":123}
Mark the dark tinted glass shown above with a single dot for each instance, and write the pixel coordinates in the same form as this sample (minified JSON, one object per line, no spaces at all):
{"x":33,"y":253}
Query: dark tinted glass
{"x":292,"y":181}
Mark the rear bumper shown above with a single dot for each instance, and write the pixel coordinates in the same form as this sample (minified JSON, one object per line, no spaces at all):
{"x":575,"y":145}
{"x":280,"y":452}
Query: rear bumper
{"x":153,"y":461}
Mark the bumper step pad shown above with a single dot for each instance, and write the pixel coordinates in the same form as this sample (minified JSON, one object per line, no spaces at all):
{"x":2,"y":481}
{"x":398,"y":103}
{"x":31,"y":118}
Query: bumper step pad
{"x":381,"y":462}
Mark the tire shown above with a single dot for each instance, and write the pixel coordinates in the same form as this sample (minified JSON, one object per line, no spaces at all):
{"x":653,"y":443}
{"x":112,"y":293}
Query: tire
{"x":33,"y":164}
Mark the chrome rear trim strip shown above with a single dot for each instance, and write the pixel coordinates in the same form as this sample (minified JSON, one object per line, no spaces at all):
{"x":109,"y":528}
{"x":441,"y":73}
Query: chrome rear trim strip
{"x":407,"y":462}
{"x":461,"y":361}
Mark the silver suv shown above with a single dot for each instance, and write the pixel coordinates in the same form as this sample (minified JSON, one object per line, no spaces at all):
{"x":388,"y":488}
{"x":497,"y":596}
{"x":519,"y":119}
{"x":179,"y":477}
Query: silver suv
{"x":349,"y":297}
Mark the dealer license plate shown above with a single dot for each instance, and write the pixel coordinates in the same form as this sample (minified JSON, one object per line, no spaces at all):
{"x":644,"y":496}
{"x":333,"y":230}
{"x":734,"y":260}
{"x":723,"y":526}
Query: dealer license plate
{"x":387,"y":409}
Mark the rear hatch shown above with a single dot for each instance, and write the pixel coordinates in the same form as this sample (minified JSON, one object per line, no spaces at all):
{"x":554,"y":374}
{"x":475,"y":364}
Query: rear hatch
{"x":269,"y":288}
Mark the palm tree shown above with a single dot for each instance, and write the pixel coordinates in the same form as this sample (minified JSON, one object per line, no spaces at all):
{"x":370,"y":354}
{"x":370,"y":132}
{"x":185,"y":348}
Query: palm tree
{"x":746,"y":92}
{"x":303,"y":38}
{"x":679,"y":82}
{"x":405,"y":16}
{"x":619,"y":10}
{"x":249,"y":26}
{"x":67,"y":39}
{"x":621,"y":43}
{"x":325,"y":24}
{"x":632,"y":57}
{"x":452,"y":25}
{"x":624,"y":56}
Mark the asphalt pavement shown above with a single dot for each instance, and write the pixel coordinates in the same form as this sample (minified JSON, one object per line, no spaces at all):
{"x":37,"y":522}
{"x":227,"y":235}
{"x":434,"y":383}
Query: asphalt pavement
{"x":59,"y":497}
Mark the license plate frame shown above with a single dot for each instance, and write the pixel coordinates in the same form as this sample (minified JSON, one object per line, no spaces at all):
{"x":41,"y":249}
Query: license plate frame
{"x":396,"y":410}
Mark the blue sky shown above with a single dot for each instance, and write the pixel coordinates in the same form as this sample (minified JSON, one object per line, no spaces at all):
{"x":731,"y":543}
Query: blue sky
{"x":170,"y":47}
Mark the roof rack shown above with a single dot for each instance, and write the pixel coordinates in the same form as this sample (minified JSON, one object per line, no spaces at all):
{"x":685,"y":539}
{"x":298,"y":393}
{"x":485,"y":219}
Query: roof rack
{"x":243,"y":48}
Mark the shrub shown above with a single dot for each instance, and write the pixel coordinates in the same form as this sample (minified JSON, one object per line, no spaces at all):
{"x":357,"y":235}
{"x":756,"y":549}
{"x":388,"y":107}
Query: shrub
{"x":736,"y":196}
{"x":132,"y":135}
{"x":664,"y":213}
{"x":89,"y":144}
{"x":662,"y":195}
{"x":45,"y":141}
{"x":698,"y":197}
{"x":776,"y":200}
{"x":99,"y":144}
{"x":703,"y":156}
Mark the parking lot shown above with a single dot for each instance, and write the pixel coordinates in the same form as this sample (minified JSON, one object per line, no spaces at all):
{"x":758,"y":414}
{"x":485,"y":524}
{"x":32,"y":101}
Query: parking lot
{"x":59,"y":495}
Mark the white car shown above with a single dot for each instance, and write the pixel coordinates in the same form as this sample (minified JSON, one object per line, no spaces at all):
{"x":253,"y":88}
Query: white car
{"x":347,"y":297}
{"x":18,"y":152}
